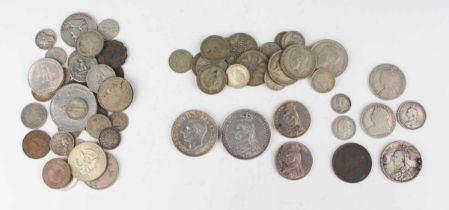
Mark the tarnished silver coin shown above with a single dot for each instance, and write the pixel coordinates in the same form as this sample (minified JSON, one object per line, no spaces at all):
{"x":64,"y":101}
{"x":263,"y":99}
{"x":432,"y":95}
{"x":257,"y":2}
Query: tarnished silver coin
{"x":245,"y":134}
{"x":109,"y":28}
{"x":89,"y":43}
{"x":340,"y":103}
{"x":292,"y":37}
{"x":41,"y":97}
{"x":115,"y":94}
{"x":411,"y":115}
{"x":238,"y":75}
{"x":34,"y":115}
{"x":87,"y":161}
{"x":276,"y":72}
{"x":109,"y":176}
{"x":272,"y":84}
{"x":278,"y":37}
{"x":97,"y":74}
{"x":194,"y":133}
{"x":292,"y":119}
{"x":109,"y":138}
{"x":75,"y":134}
{"x":256,"y":63}
{"x":79,"y":66}
{"x":378,"y":120}
{"x":212,"y":79}
{"x":180,"y":61}
{"x":401,"y":161}
{"x":269,"y":48}
{"x":62,"y":143}
{"x":74,"y":25}
{"x":96,"y":124}
{"x":203,"y":62}
{"x":119,"y":120}
{"x":57,"y":54}
{"x":45,"y":76}
{"x":297,"y":61}
{"x":293,"y":160}
{"x":343,"y":127}
{"x":45,"y":39}
{"x":330,"y":55}
{"x":323,"y":80}
{"x":215,"y":48}
{"x":72,"y":106}
{"x":387,"y":81}
{"x":240,"y":43}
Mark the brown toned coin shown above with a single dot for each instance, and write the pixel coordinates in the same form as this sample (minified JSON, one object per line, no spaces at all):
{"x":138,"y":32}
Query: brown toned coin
{"x":42,"y":97}
{"x":293,"y":160}
{"x":401,"y":161}
{"x":256,"y":63}
{"x":62,"y":143}
{"x":36,"y":144}
{"x":292,"y":119}
{"x":215,"y":48}
{"x":109,"y":138}
{"x":114,"y":54}
{"x":109,"y":176}
{"x":212,"y":79}
{"x":119,"y":120}
{"x":351,"y":162}
{"x":57,"y":173}
{"x":119,"y":72}
{"x":115,"y":94}
{"x":96,"y":124}
{"x":411,"y":115}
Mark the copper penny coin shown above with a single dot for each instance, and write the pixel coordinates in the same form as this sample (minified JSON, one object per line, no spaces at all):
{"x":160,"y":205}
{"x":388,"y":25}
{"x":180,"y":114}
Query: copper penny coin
{"x":109,"y":138}
{"x":36,"y":144}
{"x":62,"y":143}
{"x":351,"y":162}
{"x":293,"y":160}
{"x":292,"y":119}
{"x":57,"y":173}
{"x":401,"y":161}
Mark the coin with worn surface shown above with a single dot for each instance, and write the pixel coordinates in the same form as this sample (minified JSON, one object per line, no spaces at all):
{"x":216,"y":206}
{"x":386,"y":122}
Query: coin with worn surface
{"x":330,"y":55}
{"x":119,"y":120}
{"x":62,"y":143}
{"x":67,"y":76}
{"x":109,"y":28}
{"x":293,"y":160}
{"x":278,"y":37}
{"x":215,"y":48}
{"x":240,"y":43}
{"x":115,"y":94}
{"x":33,"y":115}
{"x":42,"y":97}
{"x":212,"y":79}
{"x":292,"y":37}
{"x":36,"y":144}
{"x":75,"y":134}
{"x":109,"y":138}
{"x":343,"y":127}
{"x":377,"y":120}
{"x":269,"y":48}
{"x":79,"y":66}
{"x":114,"y":54}
{"x":323,"y":80}
{"x":387,"y":81}
{"x":272,"y":84}
{"x":297,"y":61}
{"x":340,"y":103}
{"x":203,"y":62}
{"x":276,"y":72}
{"x":89,"y":43}
{"x":57,"y":173}
{"x":180,"y":61}
{"x":119,"y":72}
{"x":109,"y":176}
{"x":401,"y":161}
{"x":57,"y":54}
{"x":292,"y":119}
{"x":411,"y":115}
{"x":351,"y":162}
{"x":238,"y":75}
{"x":74,"y":25}
{"x":256,"y":63}
{"x":72,"y":106}
{"x":45,"y":76}
{"x":45,"y":39}
{"x":87,"y":161}
{"x":194,"y":133}
{"x":245,"y":134}
{"x":97,"y":75}
{"x":96,"y":124}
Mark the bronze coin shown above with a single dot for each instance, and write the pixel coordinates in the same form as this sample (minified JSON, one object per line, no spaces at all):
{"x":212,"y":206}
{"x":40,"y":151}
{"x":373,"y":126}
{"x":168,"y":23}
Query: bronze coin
{"x":36,"y":144}
{"x":114,"y":54}
{"x":292,"y":119}
{"x":293,"y":160}
{"x":351,"y":162}
{"x":57,"y":173}
{"x":109,"y":138}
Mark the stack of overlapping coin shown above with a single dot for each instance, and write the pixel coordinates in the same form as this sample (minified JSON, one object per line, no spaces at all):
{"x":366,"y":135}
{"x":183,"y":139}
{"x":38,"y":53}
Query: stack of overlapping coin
{"x":90,"y":94}
{"x":238,"y":61}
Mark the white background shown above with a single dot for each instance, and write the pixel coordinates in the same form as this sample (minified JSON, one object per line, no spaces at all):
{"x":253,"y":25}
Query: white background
{"x":154,"y":175}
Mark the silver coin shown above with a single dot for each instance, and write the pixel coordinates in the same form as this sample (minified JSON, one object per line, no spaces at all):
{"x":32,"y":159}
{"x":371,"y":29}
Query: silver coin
{"x":68,"y":95}
{"x":79,"y":66}
{"x":89,"y":43}
{"x":278,"y":37}
{"x":330,"y":55}
{"x":202,"y":62}
{"x":96,"y":124}
{"x":34,"y":115}
{"x":245,"y":134}
{"x":57,"y":54}
{"x":240,"y":43}
{"x":377,"y":120}
{"x":74,"y":25}
{"x":238,"y":75}
{"x":109,"y":28}
{"x":45,"y":76}
{"x":62,"y":143}
{"x":109,"y":176}
{"x":341,"y":103}
{"x":276,"y":72}
{"x":411,"y":115}
{"x":400,"y":161}
{"x":119,"y":120}
{"x":297,"y":61}
{"x":292,"y":37}
{"x":272,"y":85}
{"x":45,"y":39}
{"x":269,"y":48}
{"x":180,"y":61}
{"x":387,"y":81}
{"x":97,"y":74}
{"x":323,"y":81}
{"x":343,"y":127}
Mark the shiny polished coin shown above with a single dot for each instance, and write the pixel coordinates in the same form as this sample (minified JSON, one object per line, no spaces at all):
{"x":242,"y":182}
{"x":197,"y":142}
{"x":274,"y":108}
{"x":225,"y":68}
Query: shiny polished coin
{"x":293,"y":160}
{"x":115,"y":94}
{"x":411,"y":115}
{"x":87,"y":161}
{"x":297,"y":61}
{"x":211,"y":80}
{"x":194,"y":133}
{"x":79,"y":66}
{"x":292,"y":119}
{"x":238,"y":75}
{"x":97,"y":75}
{"x":114,"y":54}
{"x":34,"y":115}
{"x":240,"y":43}
{"x":45,"y":76}
{"x":330,"y":55}
{"x":203,"y":62}
{"x":215,"y":48}
{"x":96,"y":124}
{"x":109,"y":138}
{"x":323,"y":81}
{"x":74,"y":25}
{"x":62,"y":143}
{"x":256,"y":63}
{"x":272,"y":85}
{"x":109,"y":28}
{"x":36,"y":144}
{"x":343,"y":127}
{"x":89,"y":43}
{"x":119,"y":120}
{"x":341,"y":103}
{"x":109,"y":176}
{"x":276,"y":72}
{"x":377,"y":120}
{"x":245,"y":134}
{"x":57,"y":54}
{"x":351,"y":162}
{"x":269,"y":48}
{"x":57,"y":173}
{"x":42,"y":97}
{"x":387,"y":81}
{"x":400,"y":161}
{"x":45,"y":39}
{"x":291,"y":38}
{"x":180,"y":61}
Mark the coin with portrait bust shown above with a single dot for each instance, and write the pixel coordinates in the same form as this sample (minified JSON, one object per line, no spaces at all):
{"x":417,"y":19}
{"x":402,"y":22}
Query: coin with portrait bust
{"x":57,"y":173}
{"x":240,"y":43}
{"x":377,"y":120}
{"x":330,"y":55}
{"x":297,"y":61}
{"x":36,"y":144}
{"x":343,"y":127}
{"x":340,"y":103}
{"x":292,"y":119}
{"x":238,"y":75}
{"x":323,"y":80}
{"x":292,"y":37}
{"x":351,"y":162}
{"x":400,"y":161}
{"x":211,"y":79}
{"x":45,"y":39}
{"x":411,"y":115}
{"x":293,"y":160}
{"x":387,"y":81}
{"x":87,"y":161}
{"x":215,"y":48}
{"x":114,"y":54}
{"x":256,"y":63}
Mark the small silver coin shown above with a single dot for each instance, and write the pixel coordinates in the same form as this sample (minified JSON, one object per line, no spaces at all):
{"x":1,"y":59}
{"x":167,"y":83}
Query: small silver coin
{"x":45,"y":39}
{"x":89,"y":43}
{"x":180,"y":61}
{"x":323,"y":81}
{"x":377,"y":120}
{"x":387,"y":81}
{"x":411,"y":115}
{"x":97,"y":74}
{"x":109,"y":176}
{"x":330,"y":55}
{"x":343,"y":127}
{"x":292,"y":37}
{"x":238,"y":75}
{"x":62,"y":143}
{"x":45,"y":76}
{"x":400,"y":161}
{"x":215,"y":48}
{"x":96,"y":124}
{"x":79,"y":66}
{"x":119,"y":120}
{"x":34,"y":115}
{"x":109,"y":138}
{"x":341,"y":103}
{"x":269,"y":48}
{"x":74,"y":25}
{"x":109,"y":28}
{"x":57,"y":54}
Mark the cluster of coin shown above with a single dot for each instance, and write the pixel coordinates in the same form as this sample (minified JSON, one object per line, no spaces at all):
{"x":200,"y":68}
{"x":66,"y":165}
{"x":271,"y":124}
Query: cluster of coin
{"x":238,"y":61}
{"x":82,"y":97}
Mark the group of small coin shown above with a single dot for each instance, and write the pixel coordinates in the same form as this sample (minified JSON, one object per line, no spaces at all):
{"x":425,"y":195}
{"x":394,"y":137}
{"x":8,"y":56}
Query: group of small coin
{"x":238,"y":61}
{"x":90,"y":95}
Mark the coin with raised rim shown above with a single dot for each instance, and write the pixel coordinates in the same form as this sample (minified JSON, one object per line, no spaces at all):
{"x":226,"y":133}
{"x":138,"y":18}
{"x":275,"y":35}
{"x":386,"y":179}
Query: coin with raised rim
{"x":115,"y":94}
{"x":351,"y":162}
{"x":57,"y":54}
{"x":297,"y":61}
{"x":293,"y":160}
{"x":238,"y":75}
{"x":109,"y":28}
{"x":411,"y":115}
{"x":387,"y":81}
{"x":45,"y":39}
{"x":96,"y":124}
{"x":109,"y":176}
{"x":343,"y":127}
{"x":215,"y":48}
{"x":87,"y":161}
{"x":330,"y":55}
{"x":400,"y":161}
{"x":323,"y":81}
{"x":36,"y":144}
{"x":240,"y":43}
{"x":211,"y":80}
{"x":377,"y":120}
{"x":45,"y":76}
{"x":34,"y":115}
{"x":180,"y":61}
{"x":57,"y":173}
{"x":79,"y":66}
{"x":62,"y":143}
{"x":89,"y":43}
{"x":292,"y":119}
{"x":256,"y":63}
{"x":97,"y":75}
{"x":341,"y":103}
{"x":74,"y":25}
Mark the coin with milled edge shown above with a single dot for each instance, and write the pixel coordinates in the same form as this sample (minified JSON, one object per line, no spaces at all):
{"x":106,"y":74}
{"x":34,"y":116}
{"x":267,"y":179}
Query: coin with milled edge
{"x":343,"y":127}
{"x":79,"y":66}
{"x":351,"y":162}
{"x":276,"y":72}
{"x":400,"y":161}
{"x":340,"y":103}
{"x":272,"y":84}
{"x":245,"y":134}
{"x":411,"y":115}
{"x":57,"y":173}
{"x":293,"y":160}
{"x":323,"y":81}
{"x":240,"y":43}
{"x":62,"y":143}
{"x":57,"y":54}
{"x":269,"y":48}
{"x":74,"y":25}
{"x":256,"y":63}
{"x":203,"y":62}
{"x":377,"y":120}
{"x":215,"y":48}
{"x":119,"y":120}
{"x":292,"y":37}
{"x":297,"y":61}
{"x":292,"y":119}
{"x":35,"y":144}
{"x":109,"y":176}
{"x":109,"y":28}
{"x":34,"y":115}
{"x":87,"y":161}
{"x":211,"y":80}
{"x":114,"y":54}
{"x":180,"y":61}
{"x":115,"y":94}
{"x":96,"y":124}
{"x":89,"y":43}
{"x":109,"y":138}
{"x":97,"y":75}
{"x":330,"y":55}
{"x":45,"y":76}
{"x":238,"y":75}
{"x":387,"y":81}
{"x":45,"y":39}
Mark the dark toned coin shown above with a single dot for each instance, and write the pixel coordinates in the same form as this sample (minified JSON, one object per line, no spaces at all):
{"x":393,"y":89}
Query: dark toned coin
{"x":240,"y":43}
{"x":57,"y":173}
{"x":293,"y":160}
{"x":119,"y":72}
{"x":292,"y":119}
{"x":114,"y":54}
{"x":401,"y":161}
{"x":109,"y":138}
{"x":351,"y":162}
{"x":36,"y":144}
